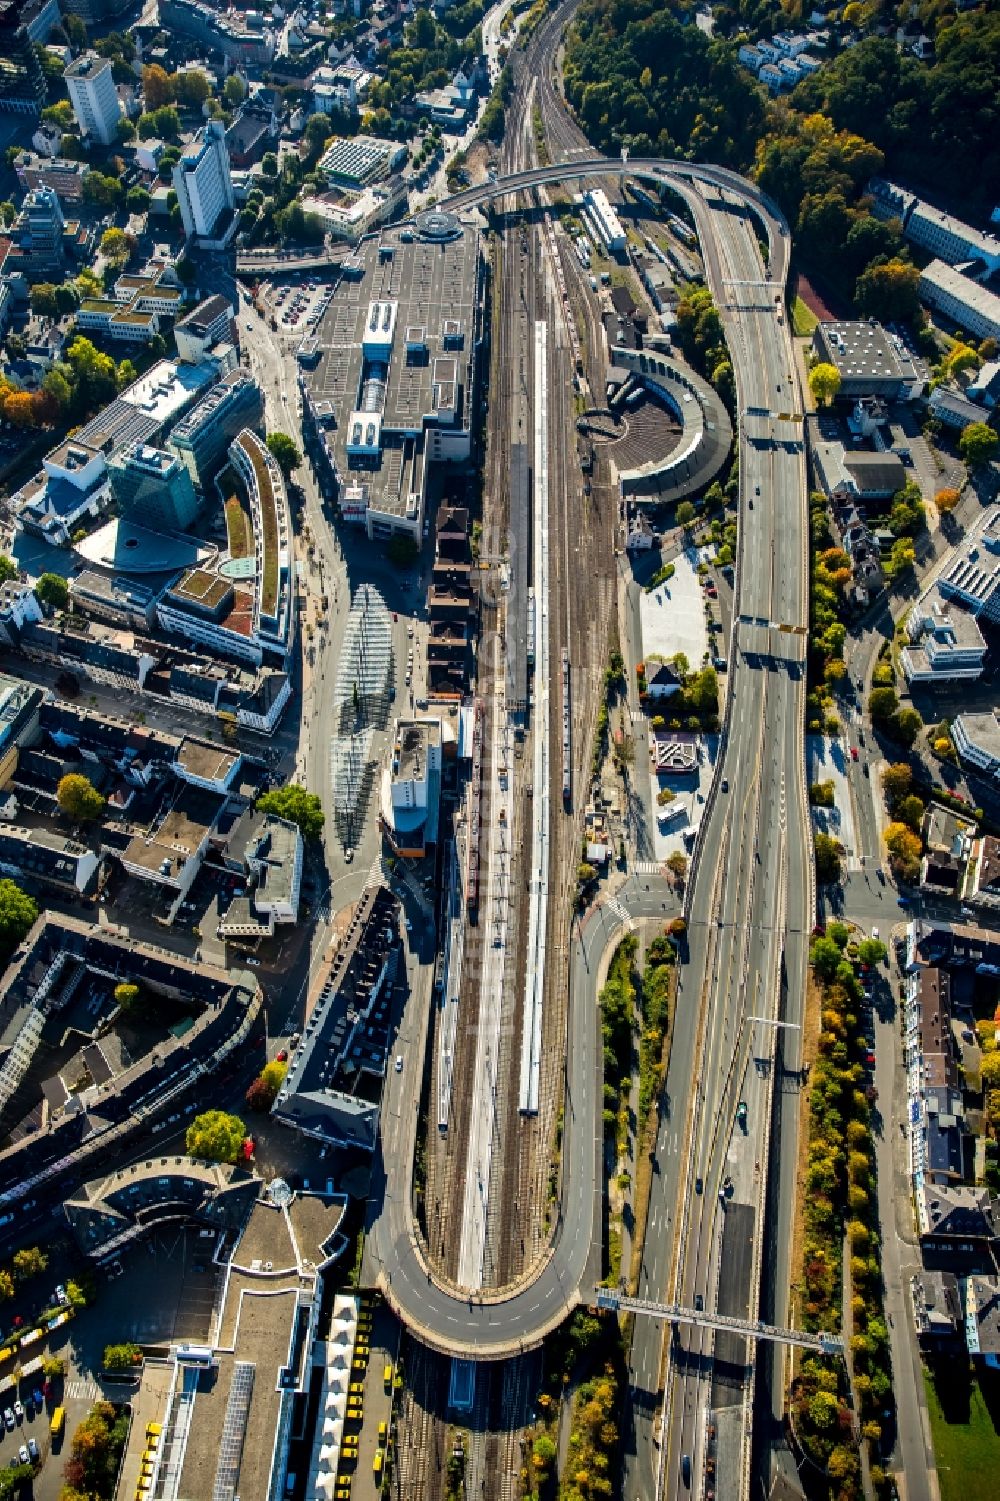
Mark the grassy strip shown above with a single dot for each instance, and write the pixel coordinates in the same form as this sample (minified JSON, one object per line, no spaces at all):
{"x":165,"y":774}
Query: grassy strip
{"x":804,"y":320}
{"x":238,"y":529}
{"x":659,"y":981}
{"x":617,"y":1004}
{"x":541,"y":145}
{"x":967,"y":1447}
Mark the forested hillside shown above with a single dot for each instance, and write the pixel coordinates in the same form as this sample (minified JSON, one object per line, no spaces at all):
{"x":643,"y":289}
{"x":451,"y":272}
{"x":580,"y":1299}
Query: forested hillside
{"x":637,"y":77}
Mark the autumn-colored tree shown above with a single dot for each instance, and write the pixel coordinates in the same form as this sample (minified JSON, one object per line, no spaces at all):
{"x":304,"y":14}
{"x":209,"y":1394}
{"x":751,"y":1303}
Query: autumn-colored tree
{"x":6,"y":1285}
{"x":157,"y":87}
{"x":946,"y":500}
{"x":78,"y":798}
{"x":989,"y":1067}
{"x":19,"y":409}
{"x":824,"y":383}
{"x":30,"y":1261}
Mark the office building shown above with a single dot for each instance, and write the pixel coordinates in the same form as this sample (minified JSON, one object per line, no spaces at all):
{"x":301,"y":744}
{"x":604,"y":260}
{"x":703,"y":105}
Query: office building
{"x":977,"y":740}
{"x":243,"y":37}
{"x":973,"y":307}
{"x":946,"y":644}
{"x":38,"y":237}
{"x":972,"y":575}
{"x":35,"y":171}
{"x":153,"y":488}
{"x":94,"y":97}
{"x":204,"y":187}
{"x":203,"y":437}
{"x":22,"y":82}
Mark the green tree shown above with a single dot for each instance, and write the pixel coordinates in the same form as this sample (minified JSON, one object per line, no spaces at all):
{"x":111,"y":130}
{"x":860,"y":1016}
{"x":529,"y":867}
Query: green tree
{"x":685,"y":513}
{"x":17,"y":915}
{"x":78,"y":798}
{"x":6,"y":1285}
{"x":43,"y":300}
{"x":298,"y":806}
{"x":882,"y":705}
{"x":828,"y":853}
{"x":888,"y":290}
{"x":8,"y":570}
{"x":906,"y":726}
{"x":215,"y":1136}
{"x":101,"y":191}
{"x":269,"y":164}
{"x":233,"y":91}
{"x":824,"y":383}
{"x":871,"y":951}
{"x":897,"y":779}
{"x":121,"y":1357}
{"x":190,"y":88}
{"x":977,"y":444}
{"x":284,"y":452}
{"x":825,"y":956}
{"x":137,"y":200}
{"x":75,"y":29}
{"x":53,"y":591}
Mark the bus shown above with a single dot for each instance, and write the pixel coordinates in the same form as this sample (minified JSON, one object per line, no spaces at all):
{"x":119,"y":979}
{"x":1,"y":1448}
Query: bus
{"x":58,"y":1422}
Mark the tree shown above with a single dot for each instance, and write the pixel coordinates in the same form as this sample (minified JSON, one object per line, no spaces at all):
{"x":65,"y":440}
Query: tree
{"x":685,"y":513}
{"x":52,"y":591}
{"x":888,"y":290}
{"x":125,"y":130}
{"x":126,"y":995}
{"x":882,"y":705}
{"x":101,"y":191}
{"x":897,"y":779}
{"x":6,"y":1285}
{"x":298,"y":806}
{"x":946,"y":500}
{"x":828,"y":853}
{"x":17,"y":915}
{"x":121,"y":1357}
{"x":233,"y":91}
{"x":906,"y":726}
{"x":8,"y":213}
{"x":8,"y":570}
{"x":977,"y":444}
{"x":78,"y":798}
{"x":824,"y":383}
{"x":678,"y":864}
{"x":190,"y":88}
{"x":825,"y":956}
{"x":75,"y":29}
{"x":137,"y":200}
{"x":269,"y":164}
{"x":989,"y":1068}
{"x":904,"y":850}
{"x":43,"y":300}
{"x":258,"y":1097}
{"x":157,"y":87}
{"x":31,"y":1261}
{"x":115,"y":245}
{"x":871,"y":951}
{"x":53,"y":1366}
{"x":284,"y":452}
{"x":909,"y":810}
{"x":215,"y":1136}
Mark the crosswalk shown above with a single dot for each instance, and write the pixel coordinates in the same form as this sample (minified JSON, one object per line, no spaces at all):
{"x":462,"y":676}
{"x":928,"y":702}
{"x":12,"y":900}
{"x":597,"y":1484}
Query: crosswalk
{"x":81,"y":1390}
{"x":647,"y":868}
{"x":615,"y":906}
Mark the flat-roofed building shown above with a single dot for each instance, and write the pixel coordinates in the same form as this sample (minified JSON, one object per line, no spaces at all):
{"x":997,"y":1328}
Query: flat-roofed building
{"x":393,"y":387}
{"x":202,"y":438}
{"x":977,"y":740}
{"x":107,"y":1215}
{"x":170,"y":852}
{"x":946,"y":644}
{"x":64,"y":177}
{"x":972,"y":576}
{"x":358,"y":161}
{"x":94,"y":97}
{"x":204,"y":187}
{"x":870,"y":360}
{"x":153,"y":488}
{"x":411,"y":787}
{"x":47,"y":861}
{"x":206,"y":764}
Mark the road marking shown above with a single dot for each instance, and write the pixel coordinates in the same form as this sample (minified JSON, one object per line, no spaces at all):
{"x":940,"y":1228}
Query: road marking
{"x":82,"y":1391}
{"x":647,"y":867}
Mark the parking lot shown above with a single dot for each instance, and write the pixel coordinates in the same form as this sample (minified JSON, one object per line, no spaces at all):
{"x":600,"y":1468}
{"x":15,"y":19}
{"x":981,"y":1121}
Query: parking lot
{"x":297,"y":307}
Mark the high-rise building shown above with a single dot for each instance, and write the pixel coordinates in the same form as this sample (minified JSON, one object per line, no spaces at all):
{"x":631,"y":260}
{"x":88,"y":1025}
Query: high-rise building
{"x":202,"y":438}
{"x":94,"y":98}
{"x":203,"y":185}
{"x":37,"y":237}
{"x":153,"y":488}
{"x":22,"y":82}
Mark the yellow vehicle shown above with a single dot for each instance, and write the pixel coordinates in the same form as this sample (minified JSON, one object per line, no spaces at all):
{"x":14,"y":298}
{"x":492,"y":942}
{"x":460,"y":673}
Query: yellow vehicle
{"x":58,"y":1422}
{"x":356,"y":1389}
{"x":387,"y":1378}
{"x":383,"y":1433}
{"x":377,"y":1462}
{"x":342,"y":1495}
{"x":153,"y":1430}
{"x":358,"y":1366}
